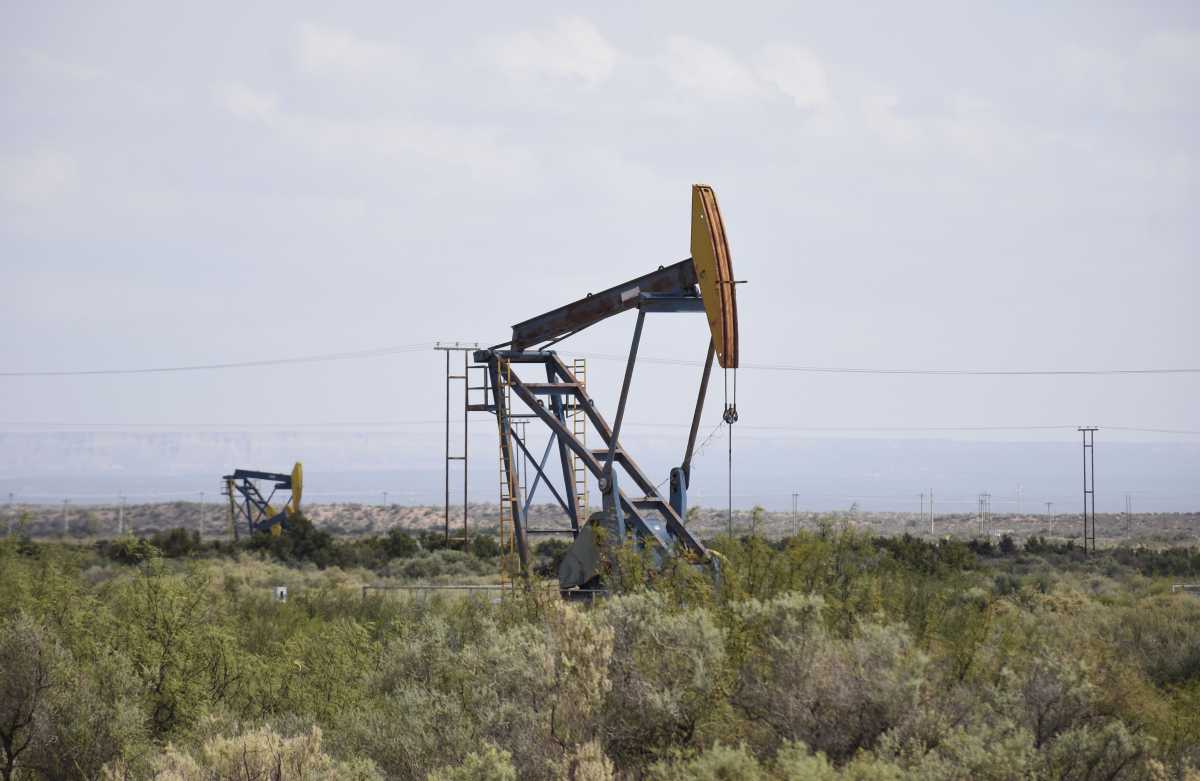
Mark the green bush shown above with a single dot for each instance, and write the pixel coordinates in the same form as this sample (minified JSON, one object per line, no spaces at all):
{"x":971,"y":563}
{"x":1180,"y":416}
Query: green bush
{"x":830,"y":655}
{"x":399,"y":545}
{"x":484,"y":546}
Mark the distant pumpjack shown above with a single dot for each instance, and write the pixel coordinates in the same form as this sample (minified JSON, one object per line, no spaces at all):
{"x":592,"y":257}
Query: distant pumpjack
{"x":247,"y":503}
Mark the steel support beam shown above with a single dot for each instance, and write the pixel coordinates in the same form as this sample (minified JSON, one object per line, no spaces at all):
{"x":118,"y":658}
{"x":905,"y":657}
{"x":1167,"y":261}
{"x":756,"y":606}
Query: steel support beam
{"x":540,"y":474}
{"x":506,"y":453}
{"x":556,"y":406}
{"x":691,"y":445}
{"x":678,"y":279}
{"x":673,"y":520}
{"x":610,"y":482}
{"x":592,"y":463}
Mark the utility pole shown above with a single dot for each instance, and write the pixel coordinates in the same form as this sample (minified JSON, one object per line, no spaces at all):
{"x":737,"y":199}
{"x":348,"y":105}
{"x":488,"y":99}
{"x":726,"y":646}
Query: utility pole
{"x":1050,"y":513}
{"x":1128,"y":513}
{"x":121,"y":517}
{"x":795,"y":513}
{"x":465,"y":378}
{"x":1089,"y":486}
{"x":922,"y":505}
{"x":384,"y":500}
{"x":930,"y":512}
{"x":985,"y":513}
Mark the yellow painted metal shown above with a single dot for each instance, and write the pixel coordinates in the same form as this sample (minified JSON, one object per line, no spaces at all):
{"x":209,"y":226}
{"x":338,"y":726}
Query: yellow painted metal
{"x":714,"y":271}
{"x":293,"y":506}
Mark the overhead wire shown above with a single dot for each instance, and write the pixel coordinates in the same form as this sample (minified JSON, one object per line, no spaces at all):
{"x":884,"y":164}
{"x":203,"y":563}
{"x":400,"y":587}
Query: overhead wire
{"x":416,"y":347}
{"x":385,"y":424}
{"x":909,"y":371}
{"x":320,"y":358}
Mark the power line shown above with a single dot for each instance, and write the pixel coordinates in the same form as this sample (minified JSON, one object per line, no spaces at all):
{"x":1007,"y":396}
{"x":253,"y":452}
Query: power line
{"x":897,"y":428}
{"x":385,"y":351}
{"x":1155,"y":430}
{"x":244,"y":425}
{"x":643,"y":424}
{"x":322,"y":358}
{"x":923,"y":372}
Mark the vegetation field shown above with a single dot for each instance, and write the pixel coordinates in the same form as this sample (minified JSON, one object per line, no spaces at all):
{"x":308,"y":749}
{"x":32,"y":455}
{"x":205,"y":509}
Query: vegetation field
{"x":828,"y":654}
{"x":355,"y":519}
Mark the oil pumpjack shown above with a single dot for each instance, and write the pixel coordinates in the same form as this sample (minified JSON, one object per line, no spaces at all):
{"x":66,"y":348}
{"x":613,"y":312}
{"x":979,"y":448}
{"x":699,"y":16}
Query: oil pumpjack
{"x":254,"y":508}
{"x":702,"y":283}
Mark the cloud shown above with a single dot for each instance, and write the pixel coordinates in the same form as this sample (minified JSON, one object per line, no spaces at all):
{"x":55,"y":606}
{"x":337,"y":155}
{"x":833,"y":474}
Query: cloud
{"x":246,"y":103}
{"x":882,"y":118}
{"x":1160,"y":73}
{"x":963,"y":125}
{"x":571,"y":49}
{"x":41,"y":62}
{"x":37,"y":178}
{"x":794,"y":71}
{"x":709,"y":69}
{"x":369,"y":143}
{"x":786,"y":69}
{"x":328,"y":51}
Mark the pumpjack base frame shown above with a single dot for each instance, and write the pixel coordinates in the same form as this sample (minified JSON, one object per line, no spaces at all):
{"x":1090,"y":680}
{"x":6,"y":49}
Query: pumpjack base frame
{"x":254,"y":508}
{"x":551,"y":402}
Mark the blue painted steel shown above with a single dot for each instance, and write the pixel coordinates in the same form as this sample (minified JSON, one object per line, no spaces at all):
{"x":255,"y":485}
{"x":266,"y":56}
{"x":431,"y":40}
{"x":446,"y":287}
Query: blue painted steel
{"x":538,"y":478}
{"x":679,"y":482}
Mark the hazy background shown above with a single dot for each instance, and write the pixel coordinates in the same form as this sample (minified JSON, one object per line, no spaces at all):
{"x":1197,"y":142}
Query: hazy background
{"x":914,"y":186}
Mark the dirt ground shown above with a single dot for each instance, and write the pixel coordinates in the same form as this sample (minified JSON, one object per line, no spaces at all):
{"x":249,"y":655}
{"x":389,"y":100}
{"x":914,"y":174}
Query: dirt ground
{"x":352,"y":519}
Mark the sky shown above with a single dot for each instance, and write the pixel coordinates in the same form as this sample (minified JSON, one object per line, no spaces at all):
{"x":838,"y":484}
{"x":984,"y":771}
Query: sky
{"x":918,"y":185}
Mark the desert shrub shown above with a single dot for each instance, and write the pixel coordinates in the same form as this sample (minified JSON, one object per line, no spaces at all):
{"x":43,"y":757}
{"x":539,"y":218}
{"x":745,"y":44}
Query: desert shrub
{"x":717,"y":763}
{"x":61,"y":717}
{"x":127,"y":550}
{"x":484,"y":546}
{"x":260,"y":754}
{"x":169,"y":628}
{"x":828,"y":655}
{"x":442,"y":563}
{"x":434,"y":541}
{"x":176,"y":543}
{"x":398,"y":544}
{"x":1005,"y":584}
{"x":489,"y":764}
{"x":1106,"y":750}
{"x":1162,"y":635}
{"x":549,"y":555}
{"x":666,"y":674}
{"x":301,"y":542}
{"x":983,"y":548}
{"x":586,"y":762}
{"x":837,"y":695}
{"x":982,"y":750}
{"x":447,"y":682}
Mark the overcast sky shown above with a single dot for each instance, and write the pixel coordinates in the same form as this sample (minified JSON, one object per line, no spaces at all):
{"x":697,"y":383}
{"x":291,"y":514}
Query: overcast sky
{"x":922,"y":185}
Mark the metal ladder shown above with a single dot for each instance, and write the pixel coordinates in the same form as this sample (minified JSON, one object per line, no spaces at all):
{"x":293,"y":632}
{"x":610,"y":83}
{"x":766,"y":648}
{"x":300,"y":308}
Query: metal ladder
{"x":508,"y":546}
{"x":579,"y":429}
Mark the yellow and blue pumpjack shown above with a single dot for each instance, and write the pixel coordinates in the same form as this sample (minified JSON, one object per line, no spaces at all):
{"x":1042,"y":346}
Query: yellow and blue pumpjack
{"x":248,"y":504}
{"x":703,"y":283}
